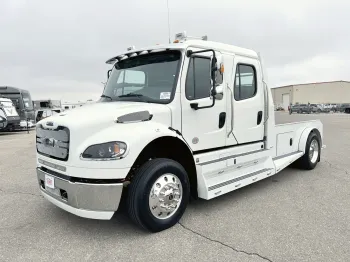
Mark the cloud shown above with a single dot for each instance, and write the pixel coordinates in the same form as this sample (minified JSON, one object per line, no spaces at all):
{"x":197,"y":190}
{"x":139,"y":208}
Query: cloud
{"x":59,"y":48}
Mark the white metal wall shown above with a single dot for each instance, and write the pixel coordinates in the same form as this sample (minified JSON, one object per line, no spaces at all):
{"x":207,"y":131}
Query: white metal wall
{"x":332,"y":92}
{"x":323,"y":93}
{"x":277,"y":94}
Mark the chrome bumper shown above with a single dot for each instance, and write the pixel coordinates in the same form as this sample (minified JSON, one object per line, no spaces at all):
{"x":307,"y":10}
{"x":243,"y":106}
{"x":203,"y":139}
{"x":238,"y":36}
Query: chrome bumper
{"x":90,"y":200}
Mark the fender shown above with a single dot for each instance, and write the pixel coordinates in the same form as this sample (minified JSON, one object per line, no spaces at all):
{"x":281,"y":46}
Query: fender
{"x":304,"y":136}
{"x":136,"y":136}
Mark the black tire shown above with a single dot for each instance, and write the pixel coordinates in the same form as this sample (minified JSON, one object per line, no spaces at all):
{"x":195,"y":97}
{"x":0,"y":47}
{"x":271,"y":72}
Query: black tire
{"x":305,"y":162}
{"x":140,"y":188}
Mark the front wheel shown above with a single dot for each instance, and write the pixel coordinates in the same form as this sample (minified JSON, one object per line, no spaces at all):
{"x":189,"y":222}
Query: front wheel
{"x":158,"y":194}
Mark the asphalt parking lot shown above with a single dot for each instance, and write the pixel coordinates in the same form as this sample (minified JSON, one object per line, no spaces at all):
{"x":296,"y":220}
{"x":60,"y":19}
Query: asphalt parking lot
{"x":293,"y":216}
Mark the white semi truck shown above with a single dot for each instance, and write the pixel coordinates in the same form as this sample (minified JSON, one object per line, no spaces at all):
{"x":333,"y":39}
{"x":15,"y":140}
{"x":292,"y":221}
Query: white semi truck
{"x":190,"y":118}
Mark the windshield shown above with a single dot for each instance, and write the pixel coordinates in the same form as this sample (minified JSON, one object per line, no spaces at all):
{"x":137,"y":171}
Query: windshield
{"x":145,"y":78}
{"x":27,"y":101}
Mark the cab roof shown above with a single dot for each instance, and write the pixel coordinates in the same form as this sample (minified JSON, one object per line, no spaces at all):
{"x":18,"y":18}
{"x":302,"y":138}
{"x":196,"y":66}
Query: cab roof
{"x":183,"y":46}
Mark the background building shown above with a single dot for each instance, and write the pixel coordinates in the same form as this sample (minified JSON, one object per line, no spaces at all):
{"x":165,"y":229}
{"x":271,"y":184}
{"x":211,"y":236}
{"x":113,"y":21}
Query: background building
{"x":336,"y":92}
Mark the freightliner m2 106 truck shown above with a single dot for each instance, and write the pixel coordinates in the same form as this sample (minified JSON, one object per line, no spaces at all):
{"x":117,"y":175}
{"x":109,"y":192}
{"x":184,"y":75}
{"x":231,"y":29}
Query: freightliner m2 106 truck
{"x":190,"y":118}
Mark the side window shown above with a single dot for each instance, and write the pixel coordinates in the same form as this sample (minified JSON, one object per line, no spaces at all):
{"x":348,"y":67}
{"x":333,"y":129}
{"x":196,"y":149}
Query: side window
{"x":245,"y":82}
{"x":198,"y":82}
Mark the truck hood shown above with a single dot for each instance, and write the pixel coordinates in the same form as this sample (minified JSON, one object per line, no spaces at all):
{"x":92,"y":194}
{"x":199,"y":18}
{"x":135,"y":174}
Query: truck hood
{"x":97,"y":116}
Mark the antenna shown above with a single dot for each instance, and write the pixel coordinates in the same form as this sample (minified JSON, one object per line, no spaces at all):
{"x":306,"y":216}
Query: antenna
{"x":167,"y":4}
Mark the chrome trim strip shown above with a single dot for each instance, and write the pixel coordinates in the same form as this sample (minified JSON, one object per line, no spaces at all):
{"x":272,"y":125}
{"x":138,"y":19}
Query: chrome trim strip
{"x":229,"y":157}
{"x":52,"y":165}
{"x":286,"y":155}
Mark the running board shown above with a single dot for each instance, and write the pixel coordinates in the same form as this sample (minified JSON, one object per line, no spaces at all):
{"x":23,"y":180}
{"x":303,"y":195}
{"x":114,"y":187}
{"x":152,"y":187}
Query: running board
{"x":283,"y":161}
{"x":238,"y":182}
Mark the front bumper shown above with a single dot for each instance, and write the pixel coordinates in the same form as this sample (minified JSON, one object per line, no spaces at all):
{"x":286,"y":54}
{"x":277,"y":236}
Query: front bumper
{"x":24,"y":124}
{"x":14,"y":120}
{"x":89,"y":200}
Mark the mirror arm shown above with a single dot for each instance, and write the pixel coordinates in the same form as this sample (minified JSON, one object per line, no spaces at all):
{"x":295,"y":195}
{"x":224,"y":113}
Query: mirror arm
{"x":213,"y":92}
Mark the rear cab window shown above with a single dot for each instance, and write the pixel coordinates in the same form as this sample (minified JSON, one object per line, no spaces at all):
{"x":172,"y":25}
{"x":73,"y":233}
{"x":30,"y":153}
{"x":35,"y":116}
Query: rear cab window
{"x":245,"y":82}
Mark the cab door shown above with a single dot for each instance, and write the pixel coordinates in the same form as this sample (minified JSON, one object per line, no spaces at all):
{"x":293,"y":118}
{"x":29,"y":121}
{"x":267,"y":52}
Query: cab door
{"x":248,"y":100}
{"x":203,"y":129}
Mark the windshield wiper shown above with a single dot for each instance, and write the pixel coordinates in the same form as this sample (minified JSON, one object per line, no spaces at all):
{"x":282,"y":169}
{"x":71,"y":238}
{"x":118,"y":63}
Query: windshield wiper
{"x":107,"y":96}
{"x":140,"y":96}
{"x":131,"y":95}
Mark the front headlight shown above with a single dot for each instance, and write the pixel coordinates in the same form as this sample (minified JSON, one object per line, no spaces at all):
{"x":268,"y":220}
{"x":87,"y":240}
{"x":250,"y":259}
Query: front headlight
{"x":105,"y":151}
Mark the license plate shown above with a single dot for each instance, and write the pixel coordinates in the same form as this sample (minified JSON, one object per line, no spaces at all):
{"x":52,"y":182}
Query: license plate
{"x":49,"y":181}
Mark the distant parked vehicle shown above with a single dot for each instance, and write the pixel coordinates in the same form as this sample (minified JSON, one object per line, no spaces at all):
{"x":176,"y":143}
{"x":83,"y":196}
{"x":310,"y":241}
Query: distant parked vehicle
{"x":317,"y":108}
{"x":342,"y":107}
{"x":300,"y":108}
{"x":3,"y":119}
{"x":44,"y":113}
{"x":23,"y":103}
{"x":12,"y":118}
{"x":308,"y":109}
{"x":346,"y":108}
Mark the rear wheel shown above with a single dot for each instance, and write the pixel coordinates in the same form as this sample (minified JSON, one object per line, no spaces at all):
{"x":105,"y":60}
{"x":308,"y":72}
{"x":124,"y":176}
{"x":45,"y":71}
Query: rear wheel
{"x":158,"y":194}
{"x":312,"y":153}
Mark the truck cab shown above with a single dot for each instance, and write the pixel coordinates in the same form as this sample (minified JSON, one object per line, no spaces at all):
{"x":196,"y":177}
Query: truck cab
{"x":191,"y":118}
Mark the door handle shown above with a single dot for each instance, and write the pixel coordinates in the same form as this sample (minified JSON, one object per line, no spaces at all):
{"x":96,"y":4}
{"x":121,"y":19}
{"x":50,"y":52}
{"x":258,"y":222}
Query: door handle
{"x":259,"y":117}
{"x":222,"y":118}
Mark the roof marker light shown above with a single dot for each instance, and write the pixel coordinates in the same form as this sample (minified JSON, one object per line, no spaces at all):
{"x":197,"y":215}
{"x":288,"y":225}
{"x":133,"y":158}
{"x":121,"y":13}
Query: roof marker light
{"x":180,"y":37}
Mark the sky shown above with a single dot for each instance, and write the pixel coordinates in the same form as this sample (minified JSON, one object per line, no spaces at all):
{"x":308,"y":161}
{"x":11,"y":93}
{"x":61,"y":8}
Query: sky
{"x":58,"y":49}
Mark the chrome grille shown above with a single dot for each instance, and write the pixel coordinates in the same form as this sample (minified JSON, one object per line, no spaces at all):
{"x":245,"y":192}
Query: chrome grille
{"x":53,"y":143}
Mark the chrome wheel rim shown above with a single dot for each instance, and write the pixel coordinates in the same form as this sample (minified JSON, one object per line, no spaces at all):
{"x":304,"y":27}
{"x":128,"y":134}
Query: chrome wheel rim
{"x":165,"y":196}
{"x":313,"y":151}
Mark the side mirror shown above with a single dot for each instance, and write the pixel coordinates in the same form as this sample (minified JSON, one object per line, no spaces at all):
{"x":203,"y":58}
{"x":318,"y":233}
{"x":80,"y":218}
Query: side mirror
{"x":218,"y":93}
{"x":109,"y":73}
{"x":219,"y":90}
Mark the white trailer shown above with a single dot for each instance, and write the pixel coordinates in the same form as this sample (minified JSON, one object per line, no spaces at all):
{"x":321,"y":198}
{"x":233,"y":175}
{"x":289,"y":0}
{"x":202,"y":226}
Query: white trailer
{"x":10,"y":120}
{"x":3,"y":119}
{"x":191,"y":118}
